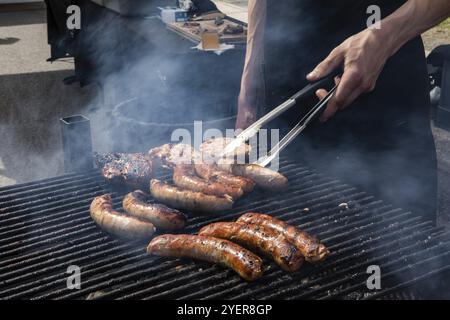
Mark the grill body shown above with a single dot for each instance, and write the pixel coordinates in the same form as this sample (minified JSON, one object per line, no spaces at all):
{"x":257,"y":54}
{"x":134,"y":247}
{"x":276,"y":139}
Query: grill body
{"x":45,"y":228}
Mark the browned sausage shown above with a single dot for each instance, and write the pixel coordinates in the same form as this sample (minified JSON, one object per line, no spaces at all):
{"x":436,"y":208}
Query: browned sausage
{"x":213,"y":173}
{"x":188,"y":200}
{"x":310,"y":246}
{"x":271,"y":243}
{"x":135,"y":203}
{"x":119,"y":224}
{"x":214,"y":148}
{"x":223,"y":252}
{"x":265,"y":178}
{"x":184,"y":177}
{"x":170,"y":155}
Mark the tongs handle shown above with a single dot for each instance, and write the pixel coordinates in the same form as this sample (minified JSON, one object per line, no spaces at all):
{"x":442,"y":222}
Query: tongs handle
{"x":312,"y":87}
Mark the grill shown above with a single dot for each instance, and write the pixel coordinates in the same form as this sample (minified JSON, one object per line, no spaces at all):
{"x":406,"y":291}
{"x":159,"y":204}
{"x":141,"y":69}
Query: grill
{"x":45,"y":227}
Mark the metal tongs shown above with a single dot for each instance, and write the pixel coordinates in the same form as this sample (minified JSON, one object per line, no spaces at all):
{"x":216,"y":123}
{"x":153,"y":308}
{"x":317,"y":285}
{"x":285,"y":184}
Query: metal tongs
{"x":301,"y":125}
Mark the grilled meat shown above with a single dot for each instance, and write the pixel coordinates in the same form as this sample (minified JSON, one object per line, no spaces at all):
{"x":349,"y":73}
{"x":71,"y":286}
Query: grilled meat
{"x":215,"y":147}
{"x":135,"y":203}
{"x":170,"y":155}
{"x":121,"y":168}
{"x":118,"y":224}
{"x":188,"y":200}
{"x":264,"y":178}
{"x":223,"y":252}
{"x":310,"y":246}
{"x":184,"y":176}
{"x":271,"y":243}
{"x":212,"y":173}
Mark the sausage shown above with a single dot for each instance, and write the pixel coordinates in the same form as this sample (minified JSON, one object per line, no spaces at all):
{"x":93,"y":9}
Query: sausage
{"x":117,"y":223}
{"x":159,"y":215}
{"x":271,"y":243}
{"x":310,"y":246}
{"x":169,"y":155}
{"x":213,"y":173}
{"x":188,"y":200}
{"x":223,"y":252}
{"x":214,"y":148}
{"x":265,"y":178}
{"x":184,"y":177}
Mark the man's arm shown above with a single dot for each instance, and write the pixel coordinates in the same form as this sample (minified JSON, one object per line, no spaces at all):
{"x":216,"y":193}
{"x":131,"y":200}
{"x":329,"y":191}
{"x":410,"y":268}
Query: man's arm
{"x":251,"y":77}
{"x":364,"y":55}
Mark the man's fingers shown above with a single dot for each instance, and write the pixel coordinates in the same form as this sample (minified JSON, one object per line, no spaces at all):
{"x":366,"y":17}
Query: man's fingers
{"x":347,"y":91}
{"x":321,"y":93}
{"x":349,"y":84}
{"x":334,"y":60}
{"x":337,"y":80}
{"x":330,"y":111}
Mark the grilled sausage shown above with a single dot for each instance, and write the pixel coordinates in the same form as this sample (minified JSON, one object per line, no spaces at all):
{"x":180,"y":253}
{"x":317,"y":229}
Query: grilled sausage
{"x":264,"y":178}
{"x":223,"y":252}
{"x":309,"y":246}
{"x":184,"y":177}
{"x":271,"y":243}
{"x":188,"y":200}
{"x":169,"y":155}
{"x":119,"y":224}
{"x":214,"y":148}
{"x":135,"y":203}
{"x":212,"y":173}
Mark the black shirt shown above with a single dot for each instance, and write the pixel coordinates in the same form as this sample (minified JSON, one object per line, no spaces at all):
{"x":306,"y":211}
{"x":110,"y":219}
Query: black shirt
{"x":383,"y":141}
{"x":301,"y":33}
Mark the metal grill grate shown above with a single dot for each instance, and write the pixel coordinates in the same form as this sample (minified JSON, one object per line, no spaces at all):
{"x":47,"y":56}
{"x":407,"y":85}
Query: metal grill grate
{"x":45,"y":227}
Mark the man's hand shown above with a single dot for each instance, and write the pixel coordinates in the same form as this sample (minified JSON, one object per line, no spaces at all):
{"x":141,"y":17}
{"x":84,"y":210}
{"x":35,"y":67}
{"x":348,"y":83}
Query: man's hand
{"x":363,"y":57}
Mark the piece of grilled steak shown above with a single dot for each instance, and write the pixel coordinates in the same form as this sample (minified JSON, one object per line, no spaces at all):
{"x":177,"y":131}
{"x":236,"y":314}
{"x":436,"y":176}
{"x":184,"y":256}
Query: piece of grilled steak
{"x":131,"y":169}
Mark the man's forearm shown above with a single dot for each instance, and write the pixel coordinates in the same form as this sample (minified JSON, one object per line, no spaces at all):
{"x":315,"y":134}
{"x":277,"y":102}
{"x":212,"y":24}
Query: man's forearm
{"x":251,"y":76}
{"x":412,"y":19}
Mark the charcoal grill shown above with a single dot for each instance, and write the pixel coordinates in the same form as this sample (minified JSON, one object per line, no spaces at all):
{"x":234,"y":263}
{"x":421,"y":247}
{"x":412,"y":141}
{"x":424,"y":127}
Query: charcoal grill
{"x":45,"y":227}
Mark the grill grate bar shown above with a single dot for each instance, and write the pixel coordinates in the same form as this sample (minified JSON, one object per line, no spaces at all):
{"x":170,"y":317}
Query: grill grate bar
{"x":400,"y":260}
{"x":38,"y":228}
{"x":58,"y":194}
{"x":46,"y":182}
{"x":62,"y":235}
{"x":50,"y":208}
{"x":323,"y":286}
{"x":13,"y":194}
{"x":268,"y":206}
{"x":397,"y":273}
{"x":409,"y":283}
